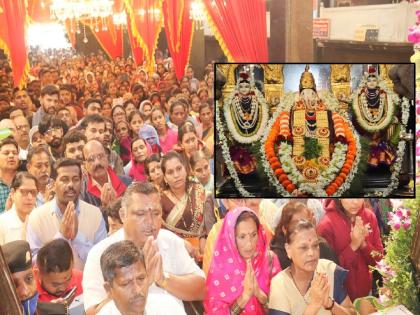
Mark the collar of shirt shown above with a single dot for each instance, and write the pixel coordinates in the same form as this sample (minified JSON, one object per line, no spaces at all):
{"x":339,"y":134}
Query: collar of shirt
{"x":16,"y":222}
{"x":57,"y":210}
{"x":3,"y":183}
{"x":95,"y":183}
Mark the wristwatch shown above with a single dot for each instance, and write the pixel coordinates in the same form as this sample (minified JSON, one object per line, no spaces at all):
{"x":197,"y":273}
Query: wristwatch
{"x":332,"y":305}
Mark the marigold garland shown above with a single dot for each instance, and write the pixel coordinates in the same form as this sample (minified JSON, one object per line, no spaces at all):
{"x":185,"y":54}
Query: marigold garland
{"x":290,"y":182}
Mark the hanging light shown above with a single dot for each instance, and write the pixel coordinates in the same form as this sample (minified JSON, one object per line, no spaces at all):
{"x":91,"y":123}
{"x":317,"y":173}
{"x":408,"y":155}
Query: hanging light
{"x":197,"y":13}
{"x":80,"y":9}
{"x":119,"y":18}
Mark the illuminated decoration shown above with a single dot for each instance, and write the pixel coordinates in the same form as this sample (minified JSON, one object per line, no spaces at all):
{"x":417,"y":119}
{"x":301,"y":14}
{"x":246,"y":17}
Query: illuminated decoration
{"x":81,"y":9}
{"x":120,"y":18}
{"x":47,"y":35}
{"x":197,"y":13}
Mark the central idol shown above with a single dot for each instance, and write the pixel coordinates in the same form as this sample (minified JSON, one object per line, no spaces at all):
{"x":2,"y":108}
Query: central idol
{"x":311,"y":149}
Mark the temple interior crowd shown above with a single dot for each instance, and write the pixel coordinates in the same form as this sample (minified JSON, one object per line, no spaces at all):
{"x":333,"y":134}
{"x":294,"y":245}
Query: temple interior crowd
{"x":106,"y":197}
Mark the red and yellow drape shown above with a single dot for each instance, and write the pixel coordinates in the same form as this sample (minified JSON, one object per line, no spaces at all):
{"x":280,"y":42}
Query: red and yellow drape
{"x":13,"y":22}
{"x":136,"y":50}
{"x":145,"y":18}
{"x":240,"y":28}
{"x":110,"y":40}
{"x":179,"y":31}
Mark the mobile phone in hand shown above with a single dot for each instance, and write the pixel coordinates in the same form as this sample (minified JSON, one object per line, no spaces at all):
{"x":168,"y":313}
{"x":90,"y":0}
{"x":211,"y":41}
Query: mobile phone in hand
{"x":70,"y":295}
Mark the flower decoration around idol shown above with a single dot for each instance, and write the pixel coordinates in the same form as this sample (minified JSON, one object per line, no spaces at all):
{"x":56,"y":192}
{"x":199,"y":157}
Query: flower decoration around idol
{"x":245,"y":111}
{"x":396,"y":166}
{"x":374,"y":103}
{"x":312,"y":170}
{"x":227,"y":158}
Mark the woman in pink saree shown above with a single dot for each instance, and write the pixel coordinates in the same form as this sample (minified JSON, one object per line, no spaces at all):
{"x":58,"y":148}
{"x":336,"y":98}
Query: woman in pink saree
{"x":242,"y":266}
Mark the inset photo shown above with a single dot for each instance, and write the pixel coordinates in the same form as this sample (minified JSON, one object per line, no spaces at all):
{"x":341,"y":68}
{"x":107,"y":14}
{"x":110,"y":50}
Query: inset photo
{"x":315,"y":130}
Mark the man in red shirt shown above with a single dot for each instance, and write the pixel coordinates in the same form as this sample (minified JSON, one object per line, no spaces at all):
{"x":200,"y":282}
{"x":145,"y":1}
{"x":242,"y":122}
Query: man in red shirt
{"x":54,"y":274}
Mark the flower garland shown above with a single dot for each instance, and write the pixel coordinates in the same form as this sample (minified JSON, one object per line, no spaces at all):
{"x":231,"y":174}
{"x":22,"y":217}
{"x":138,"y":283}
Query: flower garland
{"x":226,"y":155}
{"x":228,"y":107}
{"x":392,"y":99}
{"x":282,"y":170}
{"x":396,"y":167}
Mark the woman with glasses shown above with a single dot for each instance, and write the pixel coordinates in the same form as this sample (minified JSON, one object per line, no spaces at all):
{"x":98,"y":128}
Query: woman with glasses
{"x":23,"y":195}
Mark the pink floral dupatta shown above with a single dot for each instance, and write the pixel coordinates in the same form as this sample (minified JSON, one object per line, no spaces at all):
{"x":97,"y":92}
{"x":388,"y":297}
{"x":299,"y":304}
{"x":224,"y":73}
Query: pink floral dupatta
{"x":227,"y":269}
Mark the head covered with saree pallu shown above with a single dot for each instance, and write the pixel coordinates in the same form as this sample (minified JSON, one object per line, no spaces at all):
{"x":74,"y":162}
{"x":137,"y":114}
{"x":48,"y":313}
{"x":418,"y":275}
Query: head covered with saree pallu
{"x":227,"y":270}
{"x":137,"y":171}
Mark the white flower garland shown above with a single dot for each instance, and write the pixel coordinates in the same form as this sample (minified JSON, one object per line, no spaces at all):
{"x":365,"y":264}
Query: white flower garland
{"x":285,"y":156}
{"x":392,"y":99}
{"x":396,"y":167}
{"x":231,"y":125}
{"x":227,"y":158}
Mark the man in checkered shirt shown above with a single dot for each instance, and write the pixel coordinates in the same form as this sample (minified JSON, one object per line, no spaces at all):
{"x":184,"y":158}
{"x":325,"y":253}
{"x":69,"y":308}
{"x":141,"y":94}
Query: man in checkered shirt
{"x":9,"y":163}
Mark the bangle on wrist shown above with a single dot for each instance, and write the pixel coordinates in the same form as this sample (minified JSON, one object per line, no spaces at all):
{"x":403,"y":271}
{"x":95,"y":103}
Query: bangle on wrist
{"x":332,"y":305}
{"x":235,"y":309}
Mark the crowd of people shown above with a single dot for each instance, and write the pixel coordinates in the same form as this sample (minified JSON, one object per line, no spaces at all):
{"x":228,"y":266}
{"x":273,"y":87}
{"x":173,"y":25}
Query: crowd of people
{"x":106,"y":193}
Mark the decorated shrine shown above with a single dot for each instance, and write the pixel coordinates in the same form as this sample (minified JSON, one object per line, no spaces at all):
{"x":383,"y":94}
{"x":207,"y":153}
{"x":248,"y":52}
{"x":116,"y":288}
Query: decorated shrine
{"x":319,"y":130}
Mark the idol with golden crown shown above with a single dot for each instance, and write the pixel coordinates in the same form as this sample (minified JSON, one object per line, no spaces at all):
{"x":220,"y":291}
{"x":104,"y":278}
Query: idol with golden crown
{"x":310,"y":149}
{"x":375,"y":116}
{"x":245,"y":111}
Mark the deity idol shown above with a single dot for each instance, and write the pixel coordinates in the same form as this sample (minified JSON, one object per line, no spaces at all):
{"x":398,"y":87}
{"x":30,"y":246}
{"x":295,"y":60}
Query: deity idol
{"x":374,"y":114}
{"x":246,"y":111}
{"x":311,"y":148}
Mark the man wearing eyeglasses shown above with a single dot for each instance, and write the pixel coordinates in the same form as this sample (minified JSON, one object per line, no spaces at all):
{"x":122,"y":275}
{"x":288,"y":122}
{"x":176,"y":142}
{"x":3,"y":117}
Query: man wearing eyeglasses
{"x":67,"y":216}
{"x":103,"y":185}
{"x":22,"y":136}
{"x":23,"y":194}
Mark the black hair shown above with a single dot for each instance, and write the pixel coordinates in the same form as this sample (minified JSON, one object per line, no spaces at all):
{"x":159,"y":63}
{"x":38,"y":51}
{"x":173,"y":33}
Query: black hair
{"x":51,"y":121}
{"x":72,"y":137}
{"x":9,"y":140}
{"x":55,"y":256}
{"x":92,"y":100}
{"x":50,"y":89}
{"x":119,"y":255}
{"x":114,"y":210}
{"x":19,"y":177}
{"x":95,"y":118}
{"x":37,"y":150}
{"x":245,"y":215}
{"x":155,"y":157}
{"x":64,"y":162}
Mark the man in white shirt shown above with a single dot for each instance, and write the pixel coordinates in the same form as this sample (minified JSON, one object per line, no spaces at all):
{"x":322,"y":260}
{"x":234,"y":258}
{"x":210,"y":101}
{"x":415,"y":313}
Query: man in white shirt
{"x":23,"y":195}
{"x":66,"y":216}
{"x":176,"y":276}
{"x":126,"y":281}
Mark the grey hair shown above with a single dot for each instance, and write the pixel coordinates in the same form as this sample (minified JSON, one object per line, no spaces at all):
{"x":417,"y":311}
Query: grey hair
{"x":119,"y":255}
{"x":144,"y":188}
